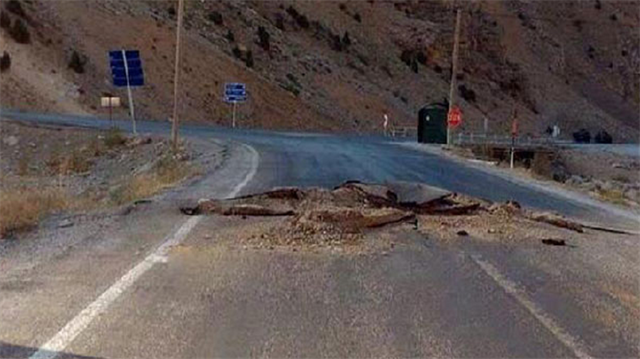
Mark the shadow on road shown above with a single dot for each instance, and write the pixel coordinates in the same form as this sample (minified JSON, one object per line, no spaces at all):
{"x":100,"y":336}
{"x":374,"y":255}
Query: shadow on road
{"x":18,"y":351}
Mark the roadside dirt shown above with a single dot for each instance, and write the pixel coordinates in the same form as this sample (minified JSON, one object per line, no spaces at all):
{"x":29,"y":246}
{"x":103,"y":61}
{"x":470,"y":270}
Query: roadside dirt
{"x":46,"y":170}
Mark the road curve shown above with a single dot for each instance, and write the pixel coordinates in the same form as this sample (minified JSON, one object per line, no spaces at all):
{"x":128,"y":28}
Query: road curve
{"x":306,"y":159}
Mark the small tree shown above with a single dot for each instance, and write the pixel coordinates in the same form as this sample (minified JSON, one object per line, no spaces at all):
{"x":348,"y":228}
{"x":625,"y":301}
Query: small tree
{"x":20,"y":33}
{"x":5,"y":62}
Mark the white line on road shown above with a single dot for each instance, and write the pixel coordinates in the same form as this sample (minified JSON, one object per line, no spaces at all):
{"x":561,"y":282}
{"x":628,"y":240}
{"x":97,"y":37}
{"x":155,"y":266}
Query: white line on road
{"x":81,"y":321}
{"x":510,"y":287}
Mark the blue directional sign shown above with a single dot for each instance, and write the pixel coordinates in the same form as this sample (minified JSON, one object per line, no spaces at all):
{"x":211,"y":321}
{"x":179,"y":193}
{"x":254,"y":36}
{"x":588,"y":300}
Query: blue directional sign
{"x":133,"y":67}
{"x":235,"y":92}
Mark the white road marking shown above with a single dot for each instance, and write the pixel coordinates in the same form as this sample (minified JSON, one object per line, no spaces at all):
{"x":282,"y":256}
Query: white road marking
{"x":81,"y":321}
{"x":512,"y":288}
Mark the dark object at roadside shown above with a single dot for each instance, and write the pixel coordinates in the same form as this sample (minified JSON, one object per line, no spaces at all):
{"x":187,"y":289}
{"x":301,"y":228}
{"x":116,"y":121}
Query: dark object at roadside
{"x":19,"y":32}
{"x":300,"y":19}
{"x":280,"y":21}
{"x":249,"y":60}
{"x":230,"y":36}
{"x":357,"y":17}
{"x":582,"y":136}
{"x":462,"y":233}
{"x":5,"y":62}
{"x":603,"y":137}
{"x":554,"y":242}
{"x":172,"y":11}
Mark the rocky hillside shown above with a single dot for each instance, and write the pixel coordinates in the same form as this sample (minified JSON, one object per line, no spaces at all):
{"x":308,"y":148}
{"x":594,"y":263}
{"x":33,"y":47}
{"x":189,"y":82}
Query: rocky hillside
{"x":337,"y":65}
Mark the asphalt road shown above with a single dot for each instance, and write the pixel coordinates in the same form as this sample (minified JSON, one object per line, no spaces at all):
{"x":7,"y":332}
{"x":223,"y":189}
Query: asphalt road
{"x":155,"y":283}
{"x":302,"y":159}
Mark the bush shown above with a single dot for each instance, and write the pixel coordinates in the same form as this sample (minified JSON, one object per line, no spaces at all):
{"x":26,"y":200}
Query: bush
{"x":249,"y":60}
{"x":5,"y":62}
{"x":230,"y":36}
{"x":5,"y":20}
{"x":280,"y":21}
{"x":410,"y":59}
{"x":114,"y":138}
{"x":15,"y":7}
{"x":216,"y":17}
{"x":20,"y":33}
{"x":77,"y":62}
{"x":21,"y":209}
{"x":346,"y":40}
{"x":264,"y":37}
{"x":300,"y":19}
{"x":466,"y":93}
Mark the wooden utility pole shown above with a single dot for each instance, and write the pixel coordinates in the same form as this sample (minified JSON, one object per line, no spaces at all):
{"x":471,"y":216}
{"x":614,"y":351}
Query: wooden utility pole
{"x":174,"y":126}
{"x":454,"y":69}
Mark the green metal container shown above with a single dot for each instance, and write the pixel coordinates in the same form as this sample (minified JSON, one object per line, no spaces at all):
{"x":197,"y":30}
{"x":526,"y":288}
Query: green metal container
{"x":432,"y":123}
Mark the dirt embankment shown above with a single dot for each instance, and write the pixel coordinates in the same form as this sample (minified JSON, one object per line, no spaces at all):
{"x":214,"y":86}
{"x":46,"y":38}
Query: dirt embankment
{"x":46,"y":170}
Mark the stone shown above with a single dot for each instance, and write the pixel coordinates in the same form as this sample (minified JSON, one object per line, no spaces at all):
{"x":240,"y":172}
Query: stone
{"x":11,"y":141}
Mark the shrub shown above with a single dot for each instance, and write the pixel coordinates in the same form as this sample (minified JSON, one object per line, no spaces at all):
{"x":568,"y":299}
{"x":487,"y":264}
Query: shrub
{"x":346,"y":40}
{"x":249,"y":60}
{"x":279,"y":21}
{"x":15,"y":7}
{"x":216,"y":17}
{"x":230,"y":36}
{"x":77,"y":62}
{"x":410,"y":59}
{"x":335,"y":42}
{"x":114,"y":138}
{"x":264,"y":37}
{"x":5,"y":20}
{"x":21,"y":209}
{"x":466,"y":93}
{"x":5,"y":62}
{"x":300,"y":19}
{"x":20,"y":33}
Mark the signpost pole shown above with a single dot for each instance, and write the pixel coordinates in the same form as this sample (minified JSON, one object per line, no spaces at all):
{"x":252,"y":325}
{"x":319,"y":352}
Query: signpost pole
{"x":110,"y":112}
{"x":454,"y":69}
{"x":174,"y":126}
{"x":233,"y":116}
{"x":131,"y":109}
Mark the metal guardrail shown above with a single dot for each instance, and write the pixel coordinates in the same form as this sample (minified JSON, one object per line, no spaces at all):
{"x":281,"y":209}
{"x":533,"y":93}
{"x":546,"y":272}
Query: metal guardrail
{"x":403,"y":132}
{"x":475,"y":138}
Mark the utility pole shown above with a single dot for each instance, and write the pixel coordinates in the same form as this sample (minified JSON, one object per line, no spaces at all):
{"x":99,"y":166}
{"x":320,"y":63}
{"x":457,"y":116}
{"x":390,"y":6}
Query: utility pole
{"x":174,"y":126}
{"x":454,"y":69}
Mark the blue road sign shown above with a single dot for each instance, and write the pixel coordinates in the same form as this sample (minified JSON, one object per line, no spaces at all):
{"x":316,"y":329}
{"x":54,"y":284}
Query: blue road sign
{"x":235,"y":92}
{"x":133,"y":66}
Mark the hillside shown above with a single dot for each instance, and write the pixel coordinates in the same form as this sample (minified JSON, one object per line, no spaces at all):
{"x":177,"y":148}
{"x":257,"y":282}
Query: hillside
{"x":338,"y":66}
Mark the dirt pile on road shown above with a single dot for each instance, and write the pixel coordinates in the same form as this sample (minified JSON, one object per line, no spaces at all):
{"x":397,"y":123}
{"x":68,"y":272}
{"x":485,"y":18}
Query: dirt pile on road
{"x":350,"y":212}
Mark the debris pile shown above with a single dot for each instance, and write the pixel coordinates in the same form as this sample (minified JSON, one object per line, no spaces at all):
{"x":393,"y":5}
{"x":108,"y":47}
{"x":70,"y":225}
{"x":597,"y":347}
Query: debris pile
{"x":345,"y":214}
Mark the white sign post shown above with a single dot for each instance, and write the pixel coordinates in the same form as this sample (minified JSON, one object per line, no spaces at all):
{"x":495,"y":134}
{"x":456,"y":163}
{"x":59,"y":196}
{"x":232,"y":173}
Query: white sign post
{"x":110,"y":102}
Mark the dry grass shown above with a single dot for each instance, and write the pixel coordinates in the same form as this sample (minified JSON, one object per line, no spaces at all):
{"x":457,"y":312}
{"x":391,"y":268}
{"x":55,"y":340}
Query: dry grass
{"x":21,"y":209}
{"x":164,"y":174}
{"x":612,"y":195}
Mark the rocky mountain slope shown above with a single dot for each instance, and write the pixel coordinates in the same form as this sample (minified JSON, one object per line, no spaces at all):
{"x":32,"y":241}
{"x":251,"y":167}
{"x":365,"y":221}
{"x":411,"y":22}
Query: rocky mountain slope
{"x":338,"y":65}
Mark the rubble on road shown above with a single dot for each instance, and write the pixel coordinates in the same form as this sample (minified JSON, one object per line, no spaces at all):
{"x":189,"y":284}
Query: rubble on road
{"x":345,"y":214}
